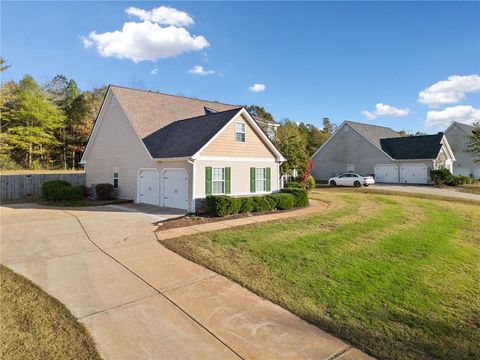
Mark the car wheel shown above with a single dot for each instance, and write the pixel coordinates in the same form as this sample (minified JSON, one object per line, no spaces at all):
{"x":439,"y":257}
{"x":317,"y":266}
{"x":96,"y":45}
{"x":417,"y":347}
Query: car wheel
{"x":365,"y":185}
{"x":333,"y":183}
{"x":357,"y":184}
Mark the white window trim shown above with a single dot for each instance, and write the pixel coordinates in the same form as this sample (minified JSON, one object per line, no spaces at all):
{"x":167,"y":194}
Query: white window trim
{"x":116,"y":170}
{"x":244,"y":132}
{"x":264,"y":180}
{"x":218,"y":181}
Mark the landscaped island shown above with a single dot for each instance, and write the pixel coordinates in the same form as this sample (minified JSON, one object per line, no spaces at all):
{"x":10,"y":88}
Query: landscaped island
{"x":395,"y":276}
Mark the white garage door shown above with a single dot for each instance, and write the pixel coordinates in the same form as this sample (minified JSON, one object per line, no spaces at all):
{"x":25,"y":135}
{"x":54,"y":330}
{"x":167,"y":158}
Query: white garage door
{"x":175,"y":189}
{"x":414,"y":174}
{"x":387,"y":173}
{"x":149,"y":187}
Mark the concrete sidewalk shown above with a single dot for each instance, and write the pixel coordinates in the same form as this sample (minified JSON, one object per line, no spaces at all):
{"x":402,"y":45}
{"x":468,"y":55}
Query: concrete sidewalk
{"x":142,"y":301}
{"x":314,"y":207}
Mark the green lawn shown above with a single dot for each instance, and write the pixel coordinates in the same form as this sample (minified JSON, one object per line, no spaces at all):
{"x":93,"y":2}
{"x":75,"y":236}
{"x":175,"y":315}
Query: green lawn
{"x":396,"y":276}
{"x":33,"y":325}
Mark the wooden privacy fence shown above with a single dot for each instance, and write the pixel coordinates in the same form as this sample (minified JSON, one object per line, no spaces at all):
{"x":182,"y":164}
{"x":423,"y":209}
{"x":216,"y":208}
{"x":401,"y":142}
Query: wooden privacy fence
{"x":19,"y":186}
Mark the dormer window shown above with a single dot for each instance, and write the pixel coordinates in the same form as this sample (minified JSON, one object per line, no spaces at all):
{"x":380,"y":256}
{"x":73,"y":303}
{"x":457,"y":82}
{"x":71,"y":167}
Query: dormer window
{"x":240,"y":132}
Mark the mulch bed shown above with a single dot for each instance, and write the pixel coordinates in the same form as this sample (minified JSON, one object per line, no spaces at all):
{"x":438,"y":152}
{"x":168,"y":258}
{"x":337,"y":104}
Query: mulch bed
{"x":190,"y":220}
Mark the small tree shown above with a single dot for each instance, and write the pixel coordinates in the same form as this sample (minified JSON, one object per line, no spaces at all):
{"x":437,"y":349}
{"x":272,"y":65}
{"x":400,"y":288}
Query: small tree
{"x":473,"y":145}
{"x":307,"y":175}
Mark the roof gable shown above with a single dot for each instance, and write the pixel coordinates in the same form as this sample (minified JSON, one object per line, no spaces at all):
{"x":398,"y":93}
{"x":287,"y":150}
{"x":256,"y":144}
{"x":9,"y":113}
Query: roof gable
{"x":373,"y":132}
{"x":186,"y":137}
{"x":413,"y":147}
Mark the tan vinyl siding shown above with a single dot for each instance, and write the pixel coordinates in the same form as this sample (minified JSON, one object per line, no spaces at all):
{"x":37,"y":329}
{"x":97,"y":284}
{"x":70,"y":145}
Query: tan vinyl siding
{"x":225,"y":144}
{"x":240,"y":175}
{"x":116,"y":145}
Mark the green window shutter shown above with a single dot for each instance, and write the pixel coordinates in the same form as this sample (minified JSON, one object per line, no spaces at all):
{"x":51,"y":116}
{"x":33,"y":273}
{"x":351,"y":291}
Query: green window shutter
{"x":227,"y":180}
{"x":267,"y":179}
{"x":252,"y":180}
{"x":208,"y":181}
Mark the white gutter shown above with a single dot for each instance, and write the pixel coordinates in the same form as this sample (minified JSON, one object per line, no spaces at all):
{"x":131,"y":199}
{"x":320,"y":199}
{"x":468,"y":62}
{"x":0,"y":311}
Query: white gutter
{"x":192,"y":161}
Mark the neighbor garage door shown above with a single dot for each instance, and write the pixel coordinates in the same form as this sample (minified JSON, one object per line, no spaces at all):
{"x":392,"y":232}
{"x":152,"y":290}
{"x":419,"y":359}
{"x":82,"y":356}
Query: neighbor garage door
{"x":387,"y":173}
{"x":148,"y":187}
{"x":414,"y":174}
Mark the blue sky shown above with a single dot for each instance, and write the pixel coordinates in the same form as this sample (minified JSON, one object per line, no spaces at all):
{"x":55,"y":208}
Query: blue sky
{"x":313,"y":59}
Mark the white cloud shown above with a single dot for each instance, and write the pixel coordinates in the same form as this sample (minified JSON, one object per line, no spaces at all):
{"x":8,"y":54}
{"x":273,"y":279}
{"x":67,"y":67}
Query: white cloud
{"x":163,"y":15}
{"x":199,"y":70}
{"x":257,"y":88}
{"x":154,"y":71}
{"x":449,"y":91}
{"x":463,"y":113}
{"x":145,"y":41}
{"x":385,"y":110}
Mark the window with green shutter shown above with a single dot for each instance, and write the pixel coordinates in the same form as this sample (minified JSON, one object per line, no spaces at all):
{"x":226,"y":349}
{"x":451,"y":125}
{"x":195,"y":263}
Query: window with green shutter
{"x":252,"y":179}
{"x":268,"y":176}
{"x":208,"y":181}
{"x":227,"y":180}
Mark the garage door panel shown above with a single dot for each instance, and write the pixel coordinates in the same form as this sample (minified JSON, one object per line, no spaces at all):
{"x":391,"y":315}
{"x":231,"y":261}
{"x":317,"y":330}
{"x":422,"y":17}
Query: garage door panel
{"x":414,"y":174}
{"x":175,"y":188}
{"x":387,"y":173}
{"x":149,"y":187}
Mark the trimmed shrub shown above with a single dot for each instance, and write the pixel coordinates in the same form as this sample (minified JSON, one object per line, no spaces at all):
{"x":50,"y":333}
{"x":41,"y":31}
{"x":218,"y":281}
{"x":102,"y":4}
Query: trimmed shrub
{"x":284,"y":201}
{"x":301,"y":197}
{"x":49,"y":189}
{"x":236,"y":205}
{"x":219,"y":205}
{"x":310,"y":183}
{"x":246,"y":204}
{"x":67,"y":194}
{"x":441,"y":177}
{"x":86,"y":191}
{"x":104,"y":191}
{"x":463,"y":180}
{"x":293,"y":185}
{"x":262,"y":203}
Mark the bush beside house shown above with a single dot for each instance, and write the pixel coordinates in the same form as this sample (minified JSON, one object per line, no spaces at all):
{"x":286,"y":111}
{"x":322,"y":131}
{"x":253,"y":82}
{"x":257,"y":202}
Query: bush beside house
{"x":60,"y":191}
{"x":285,"y":200}
{"x":442,"y":177}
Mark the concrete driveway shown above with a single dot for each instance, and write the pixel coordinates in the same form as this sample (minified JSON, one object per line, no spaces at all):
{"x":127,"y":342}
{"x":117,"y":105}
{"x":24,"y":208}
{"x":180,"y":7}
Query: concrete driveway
{"x":427,"y":190}
{"x":141,"y":301}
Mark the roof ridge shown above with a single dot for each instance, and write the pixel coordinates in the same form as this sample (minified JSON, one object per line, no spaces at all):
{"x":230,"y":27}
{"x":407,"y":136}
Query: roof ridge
{"x":166,"y":94}
{"x":414,"y":136}
{"x":206,"y":115}
{"x":379,"y":126}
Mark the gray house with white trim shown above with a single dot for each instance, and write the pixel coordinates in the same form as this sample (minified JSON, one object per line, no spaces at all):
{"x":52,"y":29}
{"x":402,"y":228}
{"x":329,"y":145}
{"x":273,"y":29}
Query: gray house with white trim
{"x":457,"y":135}
{"x":382,"y":152}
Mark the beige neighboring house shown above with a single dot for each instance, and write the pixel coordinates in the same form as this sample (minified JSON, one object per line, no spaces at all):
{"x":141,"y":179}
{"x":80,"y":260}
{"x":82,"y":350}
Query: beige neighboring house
{"x":173,"y":151}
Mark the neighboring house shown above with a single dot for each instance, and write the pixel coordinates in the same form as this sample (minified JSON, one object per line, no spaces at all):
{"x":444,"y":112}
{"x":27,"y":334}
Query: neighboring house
{"x":382,"y":152}
{"x":174,"y":151}
{"x":457,"y":135}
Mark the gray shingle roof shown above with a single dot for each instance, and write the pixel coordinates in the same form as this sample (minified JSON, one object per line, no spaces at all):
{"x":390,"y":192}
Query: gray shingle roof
{"x":413,"y":147}
{"x":465,"y":127}
{"x":185,"y":137}
{"x":149,"y":111}
{"x":373,"y":132}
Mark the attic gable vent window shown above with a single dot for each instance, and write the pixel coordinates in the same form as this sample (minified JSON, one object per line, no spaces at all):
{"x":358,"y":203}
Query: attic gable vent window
{"x":209,"y":111}
{"x":240,"y":132}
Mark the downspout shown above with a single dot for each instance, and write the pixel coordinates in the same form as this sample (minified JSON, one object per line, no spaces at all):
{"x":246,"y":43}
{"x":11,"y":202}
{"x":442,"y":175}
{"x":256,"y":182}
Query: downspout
{"x":192,"y":206}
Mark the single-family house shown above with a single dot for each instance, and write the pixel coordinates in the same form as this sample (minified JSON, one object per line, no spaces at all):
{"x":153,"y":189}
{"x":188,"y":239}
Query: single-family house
{"x":457,"y":135}
{"x":382,"y":152}
{"x":173,"y":151}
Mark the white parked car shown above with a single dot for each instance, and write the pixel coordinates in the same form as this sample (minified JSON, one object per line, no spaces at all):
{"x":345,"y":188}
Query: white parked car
{"x":351,"y":179}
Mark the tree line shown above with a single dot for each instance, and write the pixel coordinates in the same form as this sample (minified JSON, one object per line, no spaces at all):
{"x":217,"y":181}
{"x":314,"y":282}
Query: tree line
{"x":46,"y":126}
